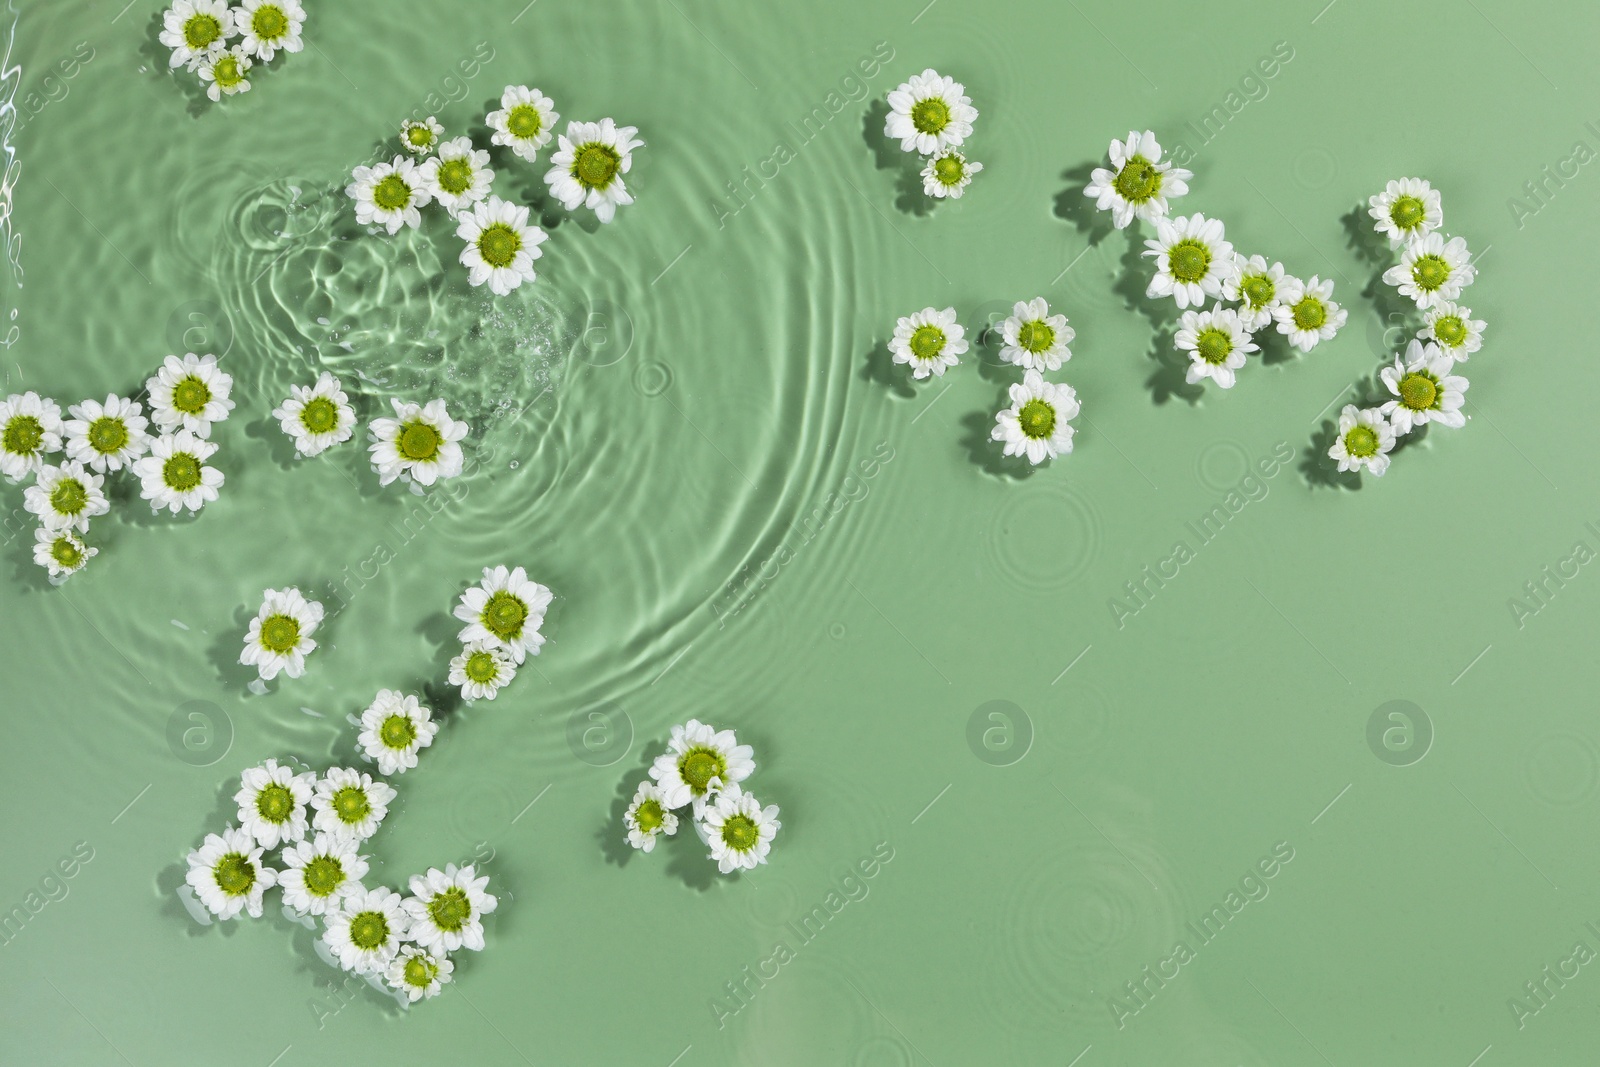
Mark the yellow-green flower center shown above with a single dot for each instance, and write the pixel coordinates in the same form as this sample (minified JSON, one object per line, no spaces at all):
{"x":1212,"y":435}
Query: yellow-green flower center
{"x":482,"y":668}
{"x":1361,"y":442}
{"x":931,"y":115}
{"x":450,"y":910}
{"x":949,"y":170}
{"x":397,"y":731}
{"x":369,"y":930}
{"x":275,"y":803}
{"x":226,"y":71}
{"x":1189,"y":260}
{"x":279,"y":633}
{"x":392,"y":193}
{"x":699,"y":765}
{"x":269,"y":23}
{"x":504,"y":615}
{"x":1138,"y":181}
{"x":201,"y":31}
{"x":1258,"y":290}
{"x":419,"y":136}
{"x":181,"y":472}
{"x":1418,"y":392}
{"x":351,"y":805}
{"x":69,"y":497}
{"x":323,"y":875}
{"x":1310,"y":313}
{"x":419,"y":441}
{"x":499,"y":244}
{"x":1037,"y":419}
{"x":419,"y":972}
{"x":108,"y":434}
{"x":234,"y":874}
{"x":1214,"y":345}
{"x":191,"y":395}
{"x":1035,"y":336}
{"x":455,"y":175}
{"x":927,"y":342}
{"x":740,"y":833}
{"x":524,"y":122}
{"x":66,"y":553}
{"x":23,"y":435}
{"x":1450,"y":331}
{"x":649,"y":816}
{"x":1408,"y":212}
{"x":1430,"y":272}
{"x":320,"y":415}
{"x":595,"y":164}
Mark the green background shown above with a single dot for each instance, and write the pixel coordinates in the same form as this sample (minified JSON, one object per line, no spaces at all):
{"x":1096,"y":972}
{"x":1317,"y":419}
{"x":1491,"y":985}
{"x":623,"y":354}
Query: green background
{"x":688,"y":428}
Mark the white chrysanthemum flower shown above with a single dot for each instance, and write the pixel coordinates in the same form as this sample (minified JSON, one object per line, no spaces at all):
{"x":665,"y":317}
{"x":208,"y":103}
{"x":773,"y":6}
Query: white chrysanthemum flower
{"x":366,"y":930}
{"x":1037,"y":424}
{"x":272,"y":802}
{"x":280,"y":634}
{"x":648,"y":817}
{"x":421,"y":138}
{"x":1256,"y":288}
{"x":929,"y":113}
{"x":30,"y":429}
{"x":525,"y":122}
{"x":106,"y":436}
{"x":317,"y":417}
{"x":1365,"y":440}
{"x":930,"y":341}
{"x":190,"y":394}
{"x":227,"y":875}
{"x":1424,"y":390}
{"x":699,"y":762}
{"x":504,"y":610}
{"x":739,"y":830}
{"x":175,"y":474}
{"x":350,"y":803}
{"x":268,"y":26}
{"x":393,"y":728}
{"x":421,"y":444}
{"x":446,"y":908}
{"x":418,"y":973}
{"x":482,"y":670}
{"x":389,"y":194}
{"x":1139,"y":184}
{"x":320,"y":873}
{"x":501,"y":246}
{"x":66,"y":497}
{"x":61,"y":552}
{"x":1306,"y":313}
{"x":587,"y":169}
{"x":1454,"y":329}
{"x":1216,"y":342}
{"x":228,"y":72}
{"x":459,"y":176}
{"x":1034,"y":338}
{"x":948,"y":174}
{"x":1406,"y":210}
{"x":1432,"y":270}
{"x":196,"y":31}
{"x":1193,"y":259}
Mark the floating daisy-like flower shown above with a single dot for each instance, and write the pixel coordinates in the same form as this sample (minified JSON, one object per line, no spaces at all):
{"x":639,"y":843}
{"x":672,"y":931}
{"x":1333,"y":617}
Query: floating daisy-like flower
{"x":525,"y":122}
{"x":320,"y":873}
{"x":30,"y":429}
{"x":317,"y":417}
{"x":350,"y":803}
{"x":421,"y":138}
{"x":647,"y":817}
{"x":175,"y":474}
{"x":280,"y":634}
{"x":61,"y":552}
{"x":1139,"y":183}
{"x":1255,"y":287}
{"x":504,"y":611}
{"x":1216,"y":342}
{"x":1365,"y":440}
{"x":929,"y":113}
{"x":1406,"y":210}
{"x":459,"y":176}
{"x":1424,"y":390}
{"x":948,"y":174}
{"x":501,"y":246}
{"x":228,"y":72}
{"x":366,"y":930}
{"x":739,"y":830}
{"x":1034,"y":338}
{"x":1453,"y":328}
{"x":393,"y":728}
{"x":1038,"y":422}
{"x":189,"y":394}
{"x":1433,"y":270}
{"x":66,"y":497}
{"x":699,"y":762}
{"x":1306,"y":313}
{"x":418,"y":973}
{"x":482,"y":670}
{"x":269,"y":26}
{"x":389,"y":194}
{"x":421,"y":444}
{"x":106,"y":436}
{"x":227,"y":875}
{"x":930,"y":341}
{"x":196,"y":30}
{"x":587,"y":169}
{"x":272,"y":802}
{"x":446,"y":908}
{"x":1193,"y":259}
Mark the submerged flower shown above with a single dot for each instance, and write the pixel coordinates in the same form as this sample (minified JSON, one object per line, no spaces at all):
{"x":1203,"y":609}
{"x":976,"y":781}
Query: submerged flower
{"x":1365,"y":440}
{"x":30,"y":429}
{"x":948,"y":174}
{"x":389,"y":194}
{"x":1193,"y":259}
{"x":196,"y":30}
{"x":501,"y":246}
{"x":366,"y":930}
{"x":505,"y":610}
{"x":446,"y":908}
{"x":1217,"y":343}
{"x":418,"y":973}
{"x":740,"y":831}
{"x":647,"y":817}
{"x":1432,"y":270}
{"x":1034,"y":338}
{"x":272,"y":802}
{"x":319,"y":873}
{"x":421,"y":138}
{"x":930,"y":341}
{"x":227,"y":875}
{"x":106,"y":436}
{"x":1406,"y":210}
{"x":482,"y":670}
{"x":1139,"y":183}
{"x":1306,"y":313}
{"x":280,"y":634}
{"x":587,"y":168}
{"x":1256,"y":288}
{"x":929,"y":113}
{"x":228,"y":72}
{"x":269,"y":25}
{"x":1037,"y":424}
{"x":699,"y":762}
{"x":421,"y":444}
{"x":175,"y":474}
{"x":393,"y":728}
{"x":61,"y":552}
{"x":350,"y":803}
{"x":1424,"y":390}
{"x":190,"y":394}
{"x":525,"y":122}
{"x":317,"y":417}
{"x":66,"y":497}
{"x":459,"y":176}
{"x":1454,"y":329}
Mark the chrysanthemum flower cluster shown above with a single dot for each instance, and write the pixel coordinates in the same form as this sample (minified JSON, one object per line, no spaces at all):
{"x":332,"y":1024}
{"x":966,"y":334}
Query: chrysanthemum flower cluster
{"x":186,"y":396}
{"x":931,"y":114}
{"x":701,"y":770}
{"x":1196,"y":263}
{"x":1433,"y":271}
{"x":503,"y":614}
{"x":222,"y":44}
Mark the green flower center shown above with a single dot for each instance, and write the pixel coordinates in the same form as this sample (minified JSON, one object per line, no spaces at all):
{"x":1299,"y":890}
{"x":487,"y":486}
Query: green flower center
{"x":66,"y":553}
{"x":323,"y":875}
{"x":69,"y":497}
{"x":108,"y":434}
{"x":419,"y":972}
{"x":23,"y":435}
{"x":201,"y":31}
{"x":1310,"y":314}
{"x":499,"y":244}
{"x":949,"y":170}
{"x":234,"y":874}
{"x":927,"y":342}
{"x":1418,"y":392}
{"x":450,"y":910}
{"x":1035,"y":336}
{"x":455,"y":175}
{"x":1361,"y":442}
{"x":419,"y":441}
{"x":191,"y":395}
{"x":1408,"y":212}
{"x":181,"y":472}
{"x":279,"y":633}
{"x":226,"y":71}
{"x":504,"y":615}
{"x":1138,"y":180}
{"x":351,"y":805}
{"x":524,"y":122}
{"x":1037,"y":419}
{"x":392,"y":193}
{"x":419,"y":135}
{"x":930,"y":115}
{"x":595,"y":164}
{"x":369,"y":930}
{"x":482,"y":668}
{"x":740,"y":833}
{"x":397,"y":731}
{"x":1214,"y":345}
{"x":1258,"y":290}
{"x":649,"y":817}
{"x":1189,"y":260}
{"x":275,"y":803}
{"x":269,"y":22}
{"x":699,"y":765}
{"x":1450,"y":331}
{"x":320,"y":415}
{"x":1430,"y":272}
